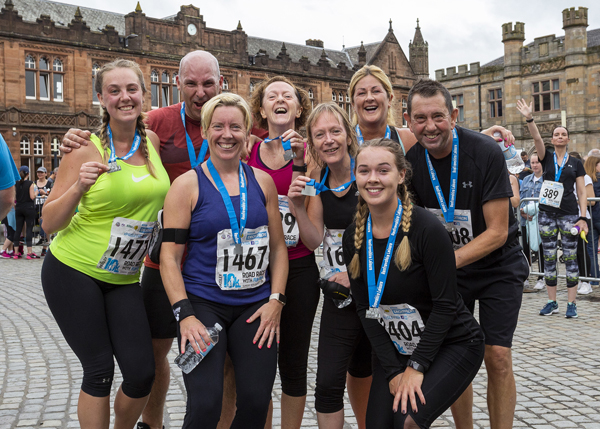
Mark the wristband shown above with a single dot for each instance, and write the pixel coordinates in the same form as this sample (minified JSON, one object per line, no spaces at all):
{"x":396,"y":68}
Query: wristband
{"x":183,"y":309}
{"x":582,"y":218}
{"x":300,"y":168}
{"x":529,"y":121}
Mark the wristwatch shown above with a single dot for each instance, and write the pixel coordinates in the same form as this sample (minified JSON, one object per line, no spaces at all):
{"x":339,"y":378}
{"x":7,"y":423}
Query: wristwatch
{"x":279,"y":297}
{"x":416,"y":366}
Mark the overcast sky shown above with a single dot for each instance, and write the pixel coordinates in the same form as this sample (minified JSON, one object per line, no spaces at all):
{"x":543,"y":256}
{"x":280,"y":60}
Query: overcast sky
{"x":458,"y":32}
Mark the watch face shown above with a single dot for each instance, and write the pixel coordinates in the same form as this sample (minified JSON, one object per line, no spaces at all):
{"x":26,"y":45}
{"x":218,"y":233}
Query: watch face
{"x":191,"y":28}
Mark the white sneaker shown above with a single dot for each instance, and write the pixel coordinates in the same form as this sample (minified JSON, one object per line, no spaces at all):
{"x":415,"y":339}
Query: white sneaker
{"x":541,"y":284}
{"x":585,"y":288}
{"x":526,"y":284}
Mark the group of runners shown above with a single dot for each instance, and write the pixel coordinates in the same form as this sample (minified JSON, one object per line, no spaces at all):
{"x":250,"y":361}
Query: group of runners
{"x":415,"y":223}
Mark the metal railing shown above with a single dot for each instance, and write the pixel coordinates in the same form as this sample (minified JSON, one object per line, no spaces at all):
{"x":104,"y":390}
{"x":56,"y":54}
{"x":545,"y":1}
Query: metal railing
{"x":540,"y":255}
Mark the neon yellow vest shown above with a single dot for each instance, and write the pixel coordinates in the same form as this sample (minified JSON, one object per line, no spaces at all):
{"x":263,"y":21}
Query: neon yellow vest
{"x":130,"y":193}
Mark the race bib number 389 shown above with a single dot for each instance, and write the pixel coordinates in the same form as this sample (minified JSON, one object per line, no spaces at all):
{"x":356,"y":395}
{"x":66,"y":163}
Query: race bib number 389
{"x":127,"y":246}
{"x":463,"y":227}
{"x":245,"y":270}
{"x":404,"y":325}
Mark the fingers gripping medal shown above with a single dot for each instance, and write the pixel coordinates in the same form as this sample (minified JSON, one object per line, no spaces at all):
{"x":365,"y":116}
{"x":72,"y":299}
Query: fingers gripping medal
{"x":313,"y":187}
{"x":447,"y":209}
{"x":287,"y":148}
{"x":112,"y":160}
{"x":376,"y":289}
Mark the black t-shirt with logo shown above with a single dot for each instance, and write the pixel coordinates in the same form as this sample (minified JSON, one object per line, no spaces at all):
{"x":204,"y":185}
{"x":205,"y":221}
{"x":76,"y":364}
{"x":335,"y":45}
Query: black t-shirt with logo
{"x":571,"y":171}
{"x":482,"y":177}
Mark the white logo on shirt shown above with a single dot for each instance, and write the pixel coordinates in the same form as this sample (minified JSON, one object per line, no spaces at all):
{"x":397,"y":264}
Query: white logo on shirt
{"x":465,"y":184}
{"x":138,"y":179}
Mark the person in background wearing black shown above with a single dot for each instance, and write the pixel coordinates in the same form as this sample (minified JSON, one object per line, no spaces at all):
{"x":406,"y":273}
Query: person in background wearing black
{"x":428,"y":347}
{"x":25,"y":212}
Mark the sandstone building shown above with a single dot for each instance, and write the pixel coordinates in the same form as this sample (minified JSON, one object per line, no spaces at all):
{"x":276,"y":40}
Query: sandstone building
{"x":559,"y":73}
{"x":50,"y":51}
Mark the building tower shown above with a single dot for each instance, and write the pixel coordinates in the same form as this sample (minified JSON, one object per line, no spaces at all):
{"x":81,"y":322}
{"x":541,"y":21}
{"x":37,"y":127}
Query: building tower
{"x":418,"y":51}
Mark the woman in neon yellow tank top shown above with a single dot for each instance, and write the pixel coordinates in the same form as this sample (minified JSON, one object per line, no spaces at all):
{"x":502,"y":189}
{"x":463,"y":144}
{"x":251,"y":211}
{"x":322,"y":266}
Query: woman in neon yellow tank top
{"x":90,"y":276}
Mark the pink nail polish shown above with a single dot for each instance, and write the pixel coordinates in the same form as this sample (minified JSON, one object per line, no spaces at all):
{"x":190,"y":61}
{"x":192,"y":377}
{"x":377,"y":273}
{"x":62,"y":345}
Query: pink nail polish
{"x":253,"y":342}
{"x":269,"y":346}
{"x":248,"y":321}
{"x":198,"y":352}
{"x":260,"y":347}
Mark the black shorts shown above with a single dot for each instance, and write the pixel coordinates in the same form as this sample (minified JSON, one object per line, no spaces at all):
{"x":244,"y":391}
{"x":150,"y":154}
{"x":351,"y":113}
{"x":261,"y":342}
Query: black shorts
{"x":158,"y":308}
{"x":499,"y":290}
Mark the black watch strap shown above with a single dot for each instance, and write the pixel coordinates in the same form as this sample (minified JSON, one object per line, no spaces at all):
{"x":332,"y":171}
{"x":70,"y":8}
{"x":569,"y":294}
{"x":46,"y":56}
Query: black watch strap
{"x":416,"y":366}
{"x":300,"y":168}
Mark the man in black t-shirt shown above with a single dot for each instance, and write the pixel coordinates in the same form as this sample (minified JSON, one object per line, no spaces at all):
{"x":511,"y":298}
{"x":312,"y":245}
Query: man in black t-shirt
{"x":491,"y":266}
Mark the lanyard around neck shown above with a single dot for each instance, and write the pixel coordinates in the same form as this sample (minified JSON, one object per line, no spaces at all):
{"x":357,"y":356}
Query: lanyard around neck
{"x":321,"y":187}
{"x":194,"y":161}
{"x":447,"y":210}
{"x":236,"y":229}
{"x":361,"y":140}
{"x":376,"y":289}
{"x":558,"y":170}
{"x":134,"y":147}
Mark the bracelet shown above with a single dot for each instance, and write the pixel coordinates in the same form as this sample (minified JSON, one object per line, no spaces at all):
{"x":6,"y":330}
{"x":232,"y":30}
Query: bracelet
{"x":183,"y":309}
{"x":529,"y":121}
{"x":300,"y":168}
{"x":582,"y":218}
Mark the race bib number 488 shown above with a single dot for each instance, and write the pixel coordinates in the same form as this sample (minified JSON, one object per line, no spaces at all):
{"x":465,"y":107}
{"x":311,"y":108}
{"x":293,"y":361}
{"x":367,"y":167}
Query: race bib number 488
{"x":245,"y":269}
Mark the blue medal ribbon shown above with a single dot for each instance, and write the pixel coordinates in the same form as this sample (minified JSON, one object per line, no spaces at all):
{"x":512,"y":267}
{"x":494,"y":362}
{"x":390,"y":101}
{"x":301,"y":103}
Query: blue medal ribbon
{"x":194,"y":161}
{"x":134,"y":147}
{"x":285,"y":143}
{"x":557,"y":170}
{"x":320,"y":186}
{"x":360,"y":138}
{"x":447,"y":210}
{"x":376,"y":289}
{"x":236,"y":229}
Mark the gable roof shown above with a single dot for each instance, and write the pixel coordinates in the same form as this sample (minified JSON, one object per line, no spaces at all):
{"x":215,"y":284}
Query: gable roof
{"x":295,"y":51}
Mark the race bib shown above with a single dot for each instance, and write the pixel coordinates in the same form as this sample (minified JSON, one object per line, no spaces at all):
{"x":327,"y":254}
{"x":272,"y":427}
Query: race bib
{"x":404,"y":325}
{"x":463,"y":227}
{"x":127,"y":246}
{"x":245,"y":269}
{"x":333,"y":255}
{"x":288,"y":221}
{"x":551,"y":193}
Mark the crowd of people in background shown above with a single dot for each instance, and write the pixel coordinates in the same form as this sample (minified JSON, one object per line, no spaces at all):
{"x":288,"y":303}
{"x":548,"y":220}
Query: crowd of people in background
{"x":416,"y":224}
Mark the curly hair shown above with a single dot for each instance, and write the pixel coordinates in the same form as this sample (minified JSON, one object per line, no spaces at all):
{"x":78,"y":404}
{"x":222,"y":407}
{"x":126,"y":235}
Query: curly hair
{"x":256,"y":102}
{"x":402,"y":257}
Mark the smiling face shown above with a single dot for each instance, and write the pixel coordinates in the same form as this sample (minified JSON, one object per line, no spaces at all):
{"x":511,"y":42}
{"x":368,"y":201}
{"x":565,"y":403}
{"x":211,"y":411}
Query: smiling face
{"x":226,"y":133}
{"x":432,"y":124}
{"x":198,"y":81}
{"x":280,"y":105}
{"x":377,"y":176}
{"x":371,"y":102}
{"x":329,"y":138}
{"x":122,"y":94}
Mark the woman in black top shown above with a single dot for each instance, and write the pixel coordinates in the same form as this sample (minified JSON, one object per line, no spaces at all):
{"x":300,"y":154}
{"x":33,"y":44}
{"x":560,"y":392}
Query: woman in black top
{"x":344,"y":352}
{"x":428,"y":347}
{"x":559,"y":209}
{"x":25,"y":211}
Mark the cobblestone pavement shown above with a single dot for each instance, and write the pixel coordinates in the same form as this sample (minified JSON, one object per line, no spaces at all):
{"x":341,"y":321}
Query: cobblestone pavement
{"x":556,"y":363}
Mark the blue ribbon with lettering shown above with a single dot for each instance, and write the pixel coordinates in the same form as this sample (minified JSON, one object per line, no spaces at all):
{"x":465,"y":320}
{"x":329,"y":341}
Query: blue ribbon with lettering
{"x":447,"y":210}
{"x":134,"y":147}
{"x":285,"y":143}
{"x":320,"y":186}
{"x":360,"y":138}
{"x":194,"y":161}
{"x":376,"y":289}
{"x":557,"y":170}
{"x":236,"y":229}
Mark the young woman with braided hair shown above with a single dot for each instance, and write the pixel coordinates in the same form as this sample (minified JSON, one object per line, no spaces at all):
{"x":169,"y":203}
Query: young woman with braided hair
{"x":427,"y":345}
{"x":91,"y":273}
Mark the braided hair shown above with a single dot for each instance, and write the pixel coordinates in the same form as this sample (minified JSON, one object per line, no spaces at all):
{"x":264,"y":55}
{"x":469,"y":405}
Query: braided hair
{"x":402,"y":256}
{"x":140,"y":125}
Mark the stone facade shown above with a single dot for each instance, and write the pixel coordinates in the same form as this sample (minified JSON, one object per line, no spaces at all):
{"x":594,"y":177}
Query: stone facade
{"x":49,"y":51}
{"x":561,"y":72}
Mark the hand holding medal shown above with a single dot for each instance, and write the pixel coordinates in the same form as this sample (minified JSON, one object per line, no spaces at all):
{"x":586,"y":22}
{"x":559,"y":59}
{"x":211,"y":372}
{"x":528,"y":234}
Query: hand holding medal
{"x":89,"y":173}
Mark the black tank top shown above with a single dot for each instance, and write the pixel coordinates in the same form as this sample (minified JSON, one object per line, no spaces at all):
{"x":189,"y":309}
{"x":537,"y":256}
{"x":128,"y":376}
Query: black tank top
{"x":23,"y":191}
{"x":338,"y":212}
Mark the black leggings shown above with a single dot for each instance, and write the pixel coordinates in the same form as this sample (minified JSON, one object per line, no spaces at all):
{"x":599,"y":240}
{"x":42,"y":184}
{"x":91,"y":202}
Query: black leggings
{"x":24,"y":214}
{"x":343,"y":348}
{"x":453,"y":368}
{"x":297,"y":317}
{"x":254,"y":368}
{"x":9,"y":231}
{"x":100,"y":320}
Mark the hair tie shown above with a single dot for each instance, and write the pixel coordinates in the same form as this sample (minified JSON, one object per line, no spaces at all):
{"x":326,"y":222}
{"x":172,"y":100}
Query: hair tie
{"x":356,"y":251}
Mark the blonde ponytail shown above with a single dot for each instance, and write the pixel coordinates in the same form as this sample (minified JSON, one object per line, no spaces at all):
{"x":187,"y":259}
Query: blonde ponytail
{"x":403,"y":258}
{"x":360,"y":222}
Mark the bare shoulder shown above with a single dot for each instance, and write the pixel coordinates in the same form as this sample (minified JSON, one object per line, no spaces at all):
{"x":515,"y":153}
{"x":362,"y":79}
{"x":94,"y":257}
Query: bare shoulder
{"x":186,"y":180}
{"x":264,"y":180}
{"x":407,"y":137}
{"x":83,"y":154}
{"x":154,"y":139}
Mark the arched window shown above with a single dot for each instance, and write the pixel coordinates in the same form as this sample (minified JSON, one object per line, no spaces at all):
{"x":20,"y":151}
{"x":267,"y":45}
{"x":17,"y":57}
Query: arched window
{"x":38,"y":146}
{"x":95,"y":68}
{"x":175,"y":89}
{"x":311,"y":94}
{"x":154,"y":89}
{"x":333,"y":96}
{"x":164,"y":90}
{"x":251,"y":87}
{"x":25,"y":146}
{"x":225,"y":84}
{"x":340,"y":97}
{"x":43,"y":82}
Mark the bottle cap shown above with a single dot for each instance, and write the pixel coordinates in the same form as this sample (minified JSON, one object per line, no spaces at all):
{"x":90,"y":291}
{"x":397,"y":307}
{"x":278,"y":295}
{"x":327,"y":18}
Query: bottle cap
{"x":218,"y":327}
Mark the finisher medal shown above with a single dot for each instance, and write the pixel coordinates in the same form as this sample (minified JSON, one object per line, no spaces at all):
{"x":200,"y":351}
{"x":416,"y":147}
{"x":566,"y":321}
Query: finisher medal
{"x":372,"y":313}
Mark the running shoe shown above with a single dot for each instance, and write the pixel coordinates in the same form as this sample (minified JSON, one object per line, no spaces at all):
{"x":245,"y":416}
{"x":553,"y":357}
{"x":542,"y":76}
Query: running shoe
{"x":585,"y":289}
{"x":6,"y":255}
{"x":550,"y":308}
{"x":43,"y":252}
{"x":571,"y":310}
{"x":17,"y":255}
{"x":541,"y":284}
{"x":32,"y":256}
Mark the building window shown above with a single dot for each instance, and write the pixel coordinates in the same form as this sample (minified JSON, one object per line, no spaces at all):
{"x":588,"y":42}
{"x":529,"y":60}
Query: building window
{"x":38,"y":146}
{"x":55,"y":151}
{"x":404,"y":110}
{"x":175,"y":89}
{"x":95,"y":68}
{"x":225,"y":84}
{"x":347,"y":98}
{"x":154,"y":88}
{"x":165,"y":100}
{"x":458,"y":102}
{"x":311,"y":94}
{"x":340,"y":97}
{"x":43,"y":82}
{"x":333,"y":98}
{"x":546,"y":95}
{"x":25,"y":147}
{"x":495,"y":103}
{"x":251,"y":87}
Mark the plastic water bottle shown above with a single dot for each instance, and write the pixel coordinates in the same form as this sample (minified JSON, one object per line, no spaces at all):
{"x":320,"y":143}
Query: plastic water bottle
{"x":190,"y":359}
{"x":575,"y":230}
{"x":514,"y":163}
